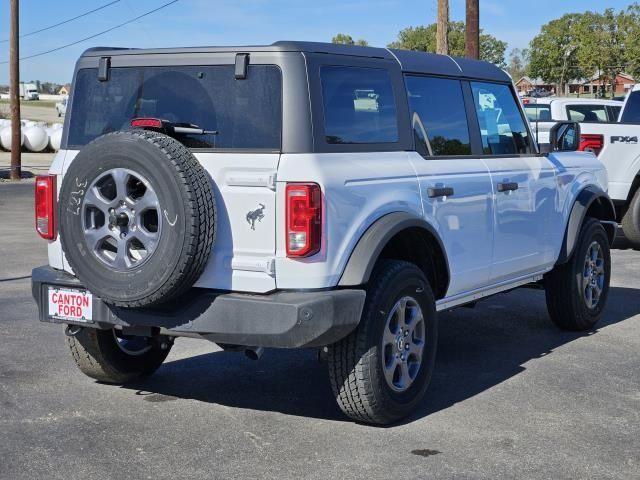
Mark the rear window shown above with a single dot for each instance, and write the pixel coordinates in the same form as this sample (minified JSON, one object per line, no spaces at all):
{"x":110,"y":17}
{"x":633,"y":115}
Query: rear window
{"x":587,"y":113}
{"x":535,"y":112}
{"x":245,"y":114}
{"x":359,"y":106}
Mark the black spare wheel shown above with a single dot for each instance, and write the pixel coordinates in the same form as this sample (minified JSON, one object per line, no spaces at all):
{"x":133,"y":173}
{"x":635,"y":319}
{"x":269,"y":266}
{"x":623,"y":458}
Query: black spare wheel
{"x":137,"y":218}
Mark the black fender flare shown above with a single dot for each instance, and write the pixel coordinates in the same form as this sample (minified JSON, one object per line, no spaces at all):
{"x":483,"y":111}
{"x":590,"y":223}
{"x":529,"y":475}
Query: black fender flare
{"x":583,"y":202}
{"x":366,"y":252}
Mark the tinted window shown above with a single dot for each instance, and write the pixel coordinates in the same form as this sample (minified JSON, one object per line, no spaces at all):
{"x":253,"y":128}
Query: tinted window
{"x":501,"y":124}
{"x":614,"y":113}
{"x":538,"y":112}
{"x":439,"y":105}
{"x":587,"y":113}
{"x":358,"y":105}
{"x":631,"y":112}
{"x":244,"y":113}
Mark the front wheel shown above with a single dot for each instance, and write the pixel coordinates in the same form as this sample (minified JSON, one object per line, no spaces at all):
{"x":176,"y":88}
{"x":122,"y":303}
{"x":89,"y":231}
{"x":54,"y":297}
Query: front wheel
{"x":111,"y":357}
{"x":381,"y":371}
{"x":577,"y":291}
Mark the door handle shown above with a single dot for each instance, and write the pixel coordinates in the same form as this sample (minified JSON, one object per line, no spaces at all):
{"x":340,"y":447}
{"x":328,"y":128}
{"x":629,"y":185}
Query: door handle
{"x":507,"y":186}
{"x":435,"y":192}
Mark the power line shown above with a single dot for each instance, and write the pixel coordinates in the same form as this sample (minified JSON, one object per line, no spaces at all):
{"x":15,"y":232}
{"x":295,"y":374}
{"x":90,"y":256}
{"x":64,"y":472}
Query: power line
{"x":96,"y":34}
{"x":64,"y":21}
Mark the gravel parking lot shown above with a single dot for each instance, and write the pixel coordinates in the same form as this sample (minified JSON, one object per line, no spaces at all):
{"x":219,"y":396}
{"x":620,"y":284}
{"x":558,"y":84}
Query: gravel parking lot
{"x":511,"y":397}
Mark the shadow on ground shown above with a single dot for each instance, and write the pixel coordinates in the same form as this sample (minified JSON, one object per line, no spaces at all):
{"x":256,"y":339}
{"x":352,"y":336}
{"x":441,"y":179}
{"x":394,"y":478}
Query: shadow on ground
{"x":478,"y":349}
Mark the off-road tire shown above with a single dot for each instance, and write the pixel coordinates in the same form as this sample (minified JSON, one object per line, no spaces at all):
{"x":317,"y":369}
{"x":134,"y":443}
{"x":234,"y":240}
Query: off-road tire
{"x":184,"y":192}
{"x":98,"y":356}
{"x":355,"y":363}
{"x":564,"y":284}
{"x":631,"y":221}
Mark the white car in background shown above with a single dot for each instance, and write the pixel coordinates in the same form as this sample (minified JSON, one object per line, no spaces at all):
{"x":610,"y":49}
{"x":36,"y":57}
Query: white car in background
{"x":61,"y":106}
{"x":543,"y":113}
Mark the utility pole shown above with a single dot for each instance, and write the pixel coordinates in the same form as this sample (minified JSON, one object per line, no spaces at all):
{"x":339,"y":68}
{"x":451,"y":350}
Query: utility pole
{"x":442,"y":28}
{"x":472,"y":30}
{"x":14,"y":92}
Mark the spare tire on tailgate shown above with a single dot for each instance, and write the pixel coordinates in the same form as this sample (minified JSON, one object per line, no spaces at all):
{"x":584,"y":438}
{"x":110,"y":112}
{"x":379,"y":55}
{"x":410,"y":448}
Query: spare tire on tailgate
{"x":137,"y":218}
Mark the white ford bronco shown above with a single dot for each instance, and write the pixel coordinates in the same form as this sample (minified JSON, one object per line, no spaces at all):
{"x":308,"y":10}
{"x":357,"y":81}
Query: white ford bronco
{"x":307,"y":195}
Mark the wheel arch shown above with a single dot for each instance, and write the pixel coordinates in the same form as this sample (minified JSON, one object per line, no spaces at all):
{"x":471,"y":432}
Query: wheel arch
{"x":590,"y":202}
{"x":392,"y":236}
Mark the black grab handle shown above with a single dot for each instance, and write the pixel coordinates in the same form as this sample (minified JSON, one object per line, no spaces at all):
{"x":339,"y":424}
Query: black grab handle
{"x":435,"y":192}
{"x":507,"y":186}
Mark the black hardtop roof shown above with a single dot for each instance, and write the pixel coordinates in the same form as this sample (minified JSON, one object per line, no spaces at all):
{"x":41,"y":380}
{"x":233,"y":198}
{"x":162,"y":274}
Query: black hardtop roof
{"x":409,"y":60}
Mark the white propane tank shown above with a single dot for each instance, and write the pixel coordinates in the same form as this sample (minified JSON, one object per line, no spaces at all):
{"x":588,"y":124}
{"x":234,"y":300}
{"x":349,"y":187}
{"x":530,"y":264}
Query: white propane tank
{"x":55,"y":139}
{"x":35,"y":139}
{"x":5,"y":138}
{"x":56,"y":126}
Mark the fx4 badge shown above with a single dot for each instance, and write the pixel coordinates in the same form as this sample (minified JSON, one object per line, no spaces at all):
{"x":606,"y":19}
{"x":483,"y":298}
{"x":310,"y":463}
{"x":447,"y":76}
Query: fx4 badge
{"x":621,"y":139}
{"x":257,"y":214}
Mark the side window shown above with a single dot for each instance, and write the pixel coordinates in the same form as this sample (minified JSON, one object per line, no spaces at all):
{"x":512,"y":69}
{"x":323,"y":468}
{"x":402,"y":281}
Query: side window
{"x":438,"y":115}
{"x":501,"y":124}
{"x":359,"y":106}
{"x":538,"y":112}
{"x":587,"y":113}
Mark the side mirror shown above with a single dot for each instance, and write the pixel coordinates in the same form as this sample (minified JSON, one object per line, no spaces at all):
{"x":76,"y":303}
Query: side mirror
{"x":565,"y":137}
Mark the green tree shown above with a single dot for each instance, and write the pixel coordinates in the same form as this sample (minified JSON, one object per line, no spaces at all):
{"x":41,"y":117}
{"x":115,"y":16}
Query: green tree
{"x":630,"y":30}
{"x":553,"y":52}
{"x":423,"y":38}
{"x":345,"y":39}
{"x":518,"y":63}
{"x":602,"y":44}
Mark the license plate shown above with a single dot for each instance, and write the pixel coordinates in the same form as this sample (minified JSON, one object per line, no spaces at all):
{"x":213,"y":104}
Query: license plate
{"x":70,"y":304}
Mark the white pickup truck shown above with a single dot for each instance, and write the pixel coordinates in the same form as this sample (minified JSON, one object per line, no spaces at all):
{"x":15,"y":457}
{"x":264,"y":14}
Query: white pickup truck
{"x":543,"y":113}
{"x":615,"y":142}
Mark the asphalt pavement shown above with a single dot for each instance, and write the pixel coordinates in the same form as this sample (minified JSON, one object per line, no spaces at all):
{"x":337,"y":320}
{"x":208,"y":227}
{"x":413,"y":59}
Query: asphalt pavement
{"x":511,"y":397}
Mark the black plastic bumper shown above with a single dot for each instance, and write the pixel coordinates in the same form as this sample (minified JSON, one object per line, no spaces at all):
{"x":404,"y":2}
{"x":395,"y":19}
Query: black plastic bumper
{"x":281,"y":319}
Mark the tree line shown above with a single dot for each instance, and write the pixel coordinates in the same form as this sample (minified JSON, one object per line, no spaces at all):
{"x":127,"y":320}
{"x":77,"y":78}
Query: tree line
{"x":576,"y":45}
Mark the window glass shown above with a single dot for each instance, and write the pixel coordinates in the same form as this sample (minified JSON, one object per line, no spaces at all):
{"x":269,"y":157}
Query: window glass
{"x":243,"y":113}
{"x":631,"y":112}
{"x":587,"y":113}
{"x":501,"y":124}
{"x":359,"y":106}
{"x":538,"y":112}
{"x":614,"y":113}
{"x":439,"y":105}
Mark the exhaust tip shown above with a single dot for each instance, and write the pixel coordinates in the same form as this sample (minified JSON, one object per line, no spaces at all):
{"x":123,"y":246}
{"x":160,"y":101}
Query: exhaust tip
{"x":254,"y":353}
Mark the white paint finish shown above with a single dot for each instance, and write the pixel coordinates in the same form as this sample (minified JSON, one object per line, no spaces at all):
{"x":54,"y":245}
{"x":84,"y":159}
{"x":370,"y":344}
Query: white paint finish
{"x":622,"y":159}
{"x":463,"y":221}
{"x":242,"y":257}
{"x":357,"y":188}
{"x":528,"y":221}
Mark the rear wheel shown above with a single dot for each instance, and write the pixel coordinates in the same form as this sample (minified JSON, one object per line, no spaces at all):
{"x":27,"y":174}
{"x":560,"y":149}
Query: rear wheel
{"x":577,"y":291}
{"x":111,"y":357}
{"x":631,"y":221}
{"x":380,"y":372}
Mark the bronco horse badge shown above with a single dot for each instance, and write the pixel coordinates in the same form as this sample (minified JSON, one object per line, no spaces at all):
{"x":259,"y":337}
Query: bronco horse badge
{"x":257,"y":214}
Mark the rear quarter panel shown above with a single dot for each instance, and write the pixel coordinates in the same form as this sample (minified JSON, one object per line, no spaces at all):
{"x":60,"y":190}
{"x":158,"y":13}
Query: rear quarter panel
{"x":357,"y":188}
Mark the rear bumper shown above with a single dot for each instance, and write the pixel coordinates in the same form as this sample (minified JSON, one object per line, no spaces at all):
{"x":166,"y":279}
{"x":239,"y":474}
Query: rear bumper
{"x":281,"y":319}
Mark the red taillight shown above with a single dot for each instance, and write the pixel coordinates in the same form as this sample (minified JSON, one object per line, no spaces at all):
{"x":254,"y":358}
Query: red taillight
{"x":146,"y":123}
{"x":591,"y":142}
{"x":45,"y":206}
{"x":304,"y":219}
